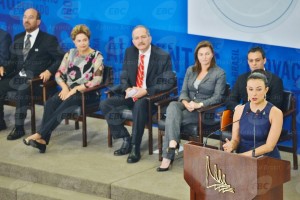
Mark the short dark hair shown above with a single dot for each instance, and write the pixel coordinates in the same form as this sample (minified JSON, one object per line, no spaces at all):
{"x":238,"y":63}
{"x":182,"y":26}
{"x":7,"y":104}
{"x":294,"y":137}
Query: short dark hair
{"x":257,"y":49}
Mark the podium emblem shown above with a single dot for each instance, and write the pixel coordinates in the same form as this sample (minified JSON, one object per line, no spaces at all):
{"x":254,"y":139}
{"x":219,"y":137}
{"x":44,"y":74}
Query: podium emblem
{"x":220,"y":184}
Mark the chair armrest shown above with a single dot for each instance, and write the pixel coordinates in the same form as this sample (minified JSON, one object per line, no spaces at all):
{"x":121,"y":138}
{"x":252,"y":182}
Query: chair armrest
{"x":165,"y":101}
{"x":51,"y":83}
{"x":161,"y":95}
{"x":86,"y":92}
{"x":109,"y":93}
{"x":95,"y":88}
{"x":45,"y":85}
{"x":35,"y":80}
{"x":212,"y":107}
{"x":288,"y":113}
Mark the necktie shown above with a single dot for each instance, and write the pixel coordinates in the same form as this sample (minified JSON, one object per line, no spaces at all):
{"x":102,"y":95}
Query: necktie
{"x":140,"y":74}
{"x":27,"y":47}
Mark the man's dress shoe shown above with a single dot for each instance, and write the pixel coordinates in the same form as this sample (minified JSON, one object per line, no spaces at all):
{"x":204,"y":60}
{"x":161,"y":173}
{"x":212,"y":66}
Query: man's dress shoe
{"x":134,"y":155}
{"x":16,"y":134}
{"x":125,"y":148}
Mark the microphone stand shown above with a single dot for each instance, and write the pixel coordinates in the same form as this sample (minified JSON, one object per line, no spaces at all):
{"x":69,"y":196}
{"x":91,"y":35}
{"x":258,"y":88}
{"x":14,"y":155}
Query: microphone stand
{"x":254,"y":137}
{"x":254,"y":133}
{"x":205,"y":143}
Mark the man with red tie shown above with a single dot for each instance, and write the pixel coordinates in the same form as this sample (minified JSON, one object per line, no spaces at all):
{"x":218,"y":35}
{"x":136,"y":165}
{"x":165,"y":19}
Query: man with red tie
{"x":144,"y":64}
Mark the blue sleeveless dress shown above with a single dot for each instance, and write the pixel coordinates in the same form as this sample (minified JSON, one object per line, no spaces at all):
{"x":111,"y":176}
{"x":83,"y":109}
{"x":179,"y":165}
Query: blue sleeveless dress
{"x":262,"y":126}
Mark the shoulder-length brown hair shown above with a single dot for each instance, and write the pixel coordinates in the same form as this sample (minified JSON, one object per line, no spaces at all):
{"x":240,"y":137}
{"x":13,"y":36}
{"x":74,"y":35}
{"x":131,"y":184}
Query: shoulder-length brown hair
{"x":197,"y":66}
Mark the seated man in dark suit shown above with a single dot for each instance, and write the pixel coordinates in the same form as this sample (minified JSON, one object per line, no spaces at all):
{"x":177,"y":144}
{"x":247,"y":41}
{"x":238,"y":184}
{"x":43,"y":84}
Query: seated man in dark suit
{"x":256,"y":61}
{"x":144,"y":64}
{"x":5,"y":42}
{"x":33,"y":53}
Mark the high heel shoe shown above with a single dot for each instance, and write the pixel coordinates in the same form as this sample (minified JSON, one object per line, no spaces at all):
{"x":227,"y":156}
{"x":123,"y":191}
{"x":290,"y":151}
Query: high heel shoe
{"x":26,"y":142}
{"x":40,"y":146}
{"x":159,"y":169}
{"x":171,"y":154}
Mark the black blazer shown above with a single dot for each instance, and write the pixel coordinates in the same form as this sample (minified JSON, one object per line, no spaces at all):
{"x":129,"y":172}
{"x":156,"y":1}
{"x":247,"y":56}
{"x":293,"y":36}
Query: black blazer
{"x":159,"y":75}
{"x":45,"y":54}
{"x":239,"y":92}
{"x":5,"y":42}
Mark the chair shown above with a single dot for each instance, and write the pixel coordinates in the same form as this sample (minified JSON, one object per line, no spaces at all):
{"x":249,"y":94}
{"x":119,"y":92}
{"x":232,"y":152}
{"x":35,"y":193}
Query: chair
{"x":152,"y":116}
{"x":89,"y":109}
{"x":289,"y":111}
{"x":194,"y":131}
{"x":39,"y":93}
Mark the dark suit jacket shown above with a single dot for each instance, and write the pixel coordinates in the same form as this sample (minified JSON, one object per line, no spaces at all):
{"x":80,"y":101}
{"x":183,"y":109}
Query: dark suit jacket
{"x":5,"y":42}
{"x":45,"y":54}
{"x":159,"y":75}
{"x":239,"y":92}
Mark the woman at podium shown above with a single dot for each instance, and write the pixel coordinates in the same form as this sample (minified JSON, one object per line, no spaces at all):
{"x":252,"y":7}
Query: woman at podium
{"x":260,"y":123}
{"x":204,"y":85}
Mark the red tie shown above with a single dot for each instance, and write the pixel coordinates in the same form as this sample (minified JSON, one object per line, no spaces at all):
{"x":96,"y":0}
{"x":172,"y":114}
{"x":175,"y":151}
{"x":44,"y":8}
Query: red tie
{"x":140,"y":74}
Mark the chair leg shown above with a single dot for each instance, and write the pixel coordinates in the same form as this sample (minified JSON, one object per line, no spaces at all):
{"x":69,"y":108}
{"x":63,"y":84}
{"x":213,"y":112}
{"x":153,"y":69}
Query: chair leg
{"x":160,"y":141}
{"x":294,"y":140}
{"x":84,"y":136}
{"x":33,"y":125}
{"x":150,"y":140}
{"x":76,"y":125}
{"x":295,"y":158}
{"x":221,"y":145}
{"x":109,"y":137}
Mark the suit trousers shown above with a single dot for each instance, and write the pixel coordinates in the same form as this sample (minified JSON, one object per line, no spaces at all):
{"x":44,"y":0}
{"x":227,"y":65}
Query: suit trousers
{"x":55,"y":111}
{"x":112,"y":109}
{"x":177,"y":115}
{"x":22,"y":87}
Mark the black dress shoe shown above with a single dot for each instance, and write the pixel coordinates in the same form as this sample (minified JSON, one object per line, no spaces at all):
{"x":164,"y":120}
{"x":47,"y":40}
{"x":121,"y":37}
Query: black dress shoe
{"x":125,"y":148}
{"x":2,"y":125}
{"x":134,"y":155}
{"x":40,"y":146}
{"x":159,"y":169}
{"x":16,"y":134}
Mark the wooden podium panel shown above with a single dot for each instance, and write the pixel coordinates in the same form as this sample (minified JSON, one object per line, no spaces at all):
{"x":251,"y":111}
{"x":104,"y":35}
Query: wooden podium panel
{"x":213,"y":174}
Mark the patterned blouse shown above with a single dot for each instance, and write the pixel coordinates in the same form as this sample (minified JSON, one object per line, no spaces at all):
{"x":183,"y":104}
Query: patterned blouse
{"x":76,"y":69}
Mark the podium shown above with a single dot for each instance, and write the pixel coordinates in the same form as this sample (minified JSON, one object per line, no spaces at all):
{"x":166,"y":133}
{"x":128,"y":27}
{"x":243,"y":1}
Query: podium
{"x":214,"y":174}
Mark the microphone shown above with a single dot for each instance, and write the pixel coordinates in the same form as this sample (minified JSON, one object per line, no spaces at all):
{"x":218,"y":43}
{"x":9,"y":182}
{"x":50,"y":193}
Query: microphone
{"x":205,"y":143}
{"x":254,"y":132}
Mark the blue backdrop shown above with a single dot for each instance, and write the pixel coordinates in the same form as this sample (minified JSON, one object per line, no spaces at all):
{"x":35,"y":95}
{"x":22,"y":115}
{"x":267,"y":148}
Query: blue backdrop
{"x":111,"y":22}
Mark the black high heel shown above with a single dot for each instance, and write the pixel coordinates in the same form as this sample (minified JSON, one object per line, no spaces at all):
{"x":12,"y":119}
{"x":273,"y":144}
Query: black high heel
{"x":171,"y":152}
{"x":159,"y":169}
{"x":35,"y":144}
